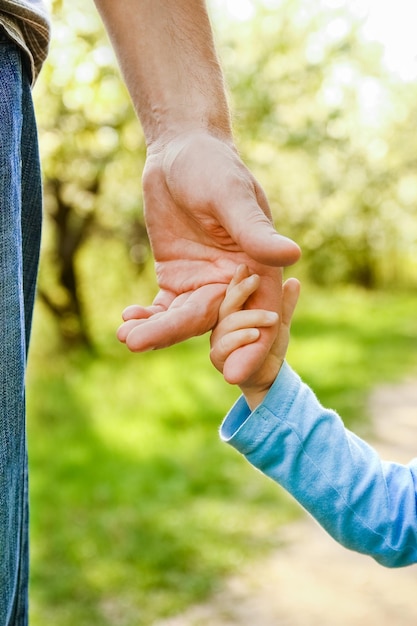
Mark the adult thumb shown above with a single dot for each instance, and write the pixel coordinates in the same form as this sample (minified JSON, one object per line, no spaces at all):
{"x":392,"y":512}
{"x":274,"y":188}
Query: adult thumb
{"x":256,"y":235}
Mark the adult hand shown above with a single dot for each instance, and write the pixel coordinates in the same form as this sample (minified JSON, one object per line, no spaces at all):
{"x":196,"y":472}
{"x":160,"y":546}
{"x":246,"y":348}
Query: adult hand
{"x":205,"y":214}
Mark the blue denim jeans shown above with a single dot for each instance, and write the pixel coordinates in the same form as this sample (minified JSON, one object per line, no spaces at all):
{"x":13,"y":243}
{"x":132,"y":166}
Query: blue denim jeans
{"x":20,"y":229}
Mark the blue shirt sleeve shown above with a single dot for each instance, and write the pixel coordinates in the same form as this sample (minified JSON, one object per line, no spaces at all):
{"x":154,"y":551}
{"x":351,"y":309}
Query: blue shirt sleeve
{"x":365,"y":503}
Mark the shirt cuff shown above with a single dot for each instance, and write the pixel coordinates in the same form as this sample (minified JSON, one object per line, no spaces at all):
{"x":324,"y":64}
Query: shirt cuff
{"x":241,"y":424}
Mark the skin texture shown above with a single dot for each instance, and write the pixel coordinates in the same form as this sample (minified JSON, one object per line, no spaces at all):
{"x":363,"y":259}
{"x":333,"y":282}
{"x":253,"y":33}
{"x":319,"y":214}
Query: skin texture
{"x":205,"y":212}
{"x":239,"y":327}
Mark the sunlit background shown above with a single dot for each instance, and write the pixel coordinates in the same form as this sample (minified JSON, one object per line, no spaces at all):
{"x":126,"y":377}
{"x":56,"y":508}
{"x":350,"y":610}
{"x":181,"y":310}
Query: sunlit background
{"x":138,"y":511}
{"x":391,"y":24}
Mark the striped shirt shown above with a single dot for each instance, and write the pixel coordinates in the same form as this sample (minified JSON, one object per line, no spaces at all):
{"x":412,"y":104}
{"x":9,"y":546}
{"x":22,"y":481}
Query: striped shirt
{"x":27,"y":23}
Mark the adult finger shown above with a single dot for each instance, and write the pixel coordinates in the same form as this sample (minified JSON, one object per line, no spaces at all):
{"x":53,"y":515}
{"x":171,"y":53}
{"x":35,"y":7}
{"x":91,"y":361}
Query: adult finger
{"x":196,"y":315}
{"x":256,"y":236}
{"x":137,"y":312}
{"x":254,"y":231}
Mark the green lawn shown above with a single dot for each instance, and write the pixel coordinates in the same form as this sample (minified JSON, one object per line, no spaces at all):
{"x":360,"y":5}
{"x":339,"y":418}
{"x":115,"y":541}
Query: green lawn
{"x":138,"y":509}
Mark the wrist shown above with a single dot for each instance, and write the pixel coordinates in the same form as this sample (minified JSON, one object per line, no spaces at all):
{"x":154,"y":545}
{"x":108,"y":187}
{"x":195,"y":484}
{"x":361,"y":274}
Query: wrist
{"x":177,"y":129}
{"x":255,"y":394}
{"x":255,"y":398}
{"x":187,"y":144}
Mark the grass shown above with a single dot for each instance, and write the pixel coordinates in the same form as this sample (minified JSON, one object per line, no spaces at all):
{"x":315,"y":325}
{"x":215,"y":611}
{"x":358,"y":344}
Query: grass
{"x":346,"y":341}
{"x":138,"y":510}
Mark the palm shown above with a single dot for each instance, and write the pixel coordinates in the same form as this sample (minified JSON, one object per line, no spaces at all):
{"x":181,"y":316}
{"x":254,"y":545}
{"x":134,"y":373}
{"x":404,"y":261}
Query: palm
{"x":205,"y":215}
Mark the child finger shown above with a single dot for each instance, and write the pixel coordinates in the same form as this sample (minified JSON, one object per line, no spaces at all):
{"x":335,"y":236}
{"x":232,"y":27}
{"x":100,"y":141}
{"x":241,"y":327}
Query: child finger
{"x":230,"y":342}
{"x":241,"y":272}
{"x":245,"y":318}
{"x":238,"y":294}
{"x":290,"y":295}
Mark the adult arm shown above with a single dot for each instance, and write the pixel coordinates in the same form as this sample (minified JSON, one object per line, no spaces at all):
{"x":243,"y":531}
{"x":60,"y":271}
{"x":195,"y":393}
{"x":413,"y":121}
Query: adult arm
{"x":204,"y":210}
{"x":166,"y":52}
{"x":366,"y":504}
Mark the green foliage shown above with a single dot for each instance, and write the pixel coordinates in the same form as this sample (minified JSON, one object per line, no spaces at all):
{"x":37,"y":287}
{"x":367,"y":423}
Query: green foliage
{"x":138,"y":510}
{"x":346,"y":341}
{"x":92,"y":153}
{"x":330,"y":134}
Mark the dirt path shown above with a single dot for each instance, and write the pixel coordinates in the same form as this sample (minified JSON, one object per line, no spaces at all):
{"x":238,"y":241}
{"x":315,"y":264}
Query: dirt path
{"x":315,"y":582}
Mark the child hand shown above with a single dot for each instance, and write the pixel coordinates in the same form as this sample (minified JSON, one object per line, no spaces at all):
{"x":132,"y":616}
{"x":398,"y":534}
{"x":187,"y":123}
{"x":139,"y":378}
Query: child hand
{"x":238,"y":327}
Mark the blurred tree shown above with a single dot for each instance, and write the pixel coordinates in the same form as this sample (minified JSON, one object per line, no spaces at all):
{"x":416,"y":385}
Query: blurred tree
{"x":92,"y":154}
{"x":326,"y":130}
{"x":318,"y":120}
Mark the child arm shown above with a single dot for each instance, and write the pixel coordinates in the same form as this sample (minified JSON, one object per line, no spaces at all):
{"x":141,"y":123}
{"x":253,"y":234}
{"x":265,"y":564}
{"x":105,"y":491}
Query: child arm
{"x":365,"y":503}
